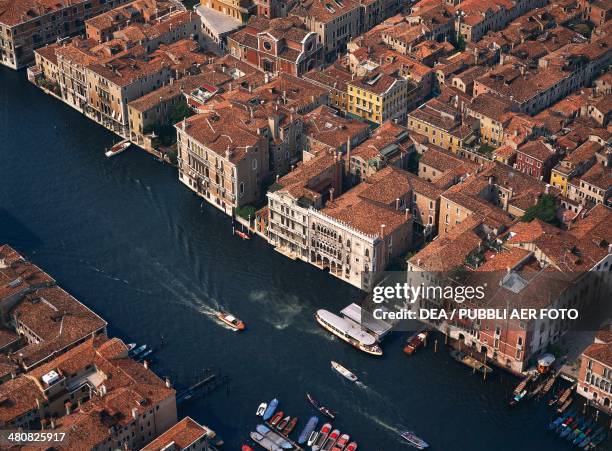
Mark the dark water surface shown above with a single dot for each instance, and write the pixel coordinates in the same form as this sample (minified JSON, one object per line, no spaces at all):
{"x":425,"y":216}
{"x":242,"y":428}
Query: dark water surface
{"x":128,"y":240}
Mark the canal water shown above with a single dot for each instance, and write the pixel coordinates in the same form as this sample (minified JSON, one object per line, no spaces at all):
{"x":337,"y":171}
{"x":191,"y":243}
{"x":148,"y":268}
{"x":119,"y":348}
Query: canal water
{"x":133,"y":244}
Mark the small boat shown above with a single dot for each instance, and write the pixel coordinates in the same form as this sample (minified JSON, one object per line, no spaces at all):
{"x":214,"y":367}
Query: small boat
{"x":341,"y":443}
{"x":312,"y":438}
{"x":324,"y":410}
{"x":230,"y":320}
{"x":243,"y":235}
{"x":246,"y":448}
{"x":322,"y":437}
{"x":270,"y":409}
{"x":549,"y":383}
{"x":291,"y":426}
{"x":566,"y":394}
{"x":565,"y":405}
{"x":130,"y":347}
{"x":261,"y":409}
{"x":555,"y":423}
{"x":414,"y":440}
{"x":278,"y":416}
{"x":343,"y":371}
{"x":138,"y":350}
{"x":518,"y":397}
{"x":308,"y":430}
{"x":415,"y":342}
{"x":144,"y":355}
{"x":352,"y":446}
{"x":331,"y":440}
{"x":283,"y":423}
{"x":576,"y":424}
{"x":118,"y":148}
{"x":470,"y":361}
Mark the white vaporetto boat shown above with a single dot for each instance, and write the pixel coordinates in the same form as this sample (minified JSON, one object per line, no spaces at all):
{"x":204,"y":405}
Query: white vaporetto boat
{"x":348,"y":331}
{"x":343,"y":371}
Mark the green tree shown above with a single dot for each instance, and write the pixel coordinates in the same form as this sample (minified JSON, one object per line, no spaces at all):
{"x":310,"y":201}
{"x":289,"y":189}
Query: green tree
{"x":180,"y":111}
{"x":545,"y":210}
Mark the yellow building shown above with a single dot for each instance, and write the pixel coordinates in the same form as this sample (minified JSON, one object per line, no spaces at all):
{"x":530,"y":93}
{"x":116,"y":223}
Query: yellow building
{"x":378,"y":97}
{"x":574,"y":165}
{"x":238,"y":9}
{"x":442,"y":124}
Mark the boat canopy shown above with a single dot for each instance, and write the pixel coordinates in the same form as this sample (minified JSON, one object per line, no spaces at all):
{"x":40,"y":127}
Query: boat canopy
{"x":348,"y":327}
{"x":546,"y":360}
{"x":365,"y":319}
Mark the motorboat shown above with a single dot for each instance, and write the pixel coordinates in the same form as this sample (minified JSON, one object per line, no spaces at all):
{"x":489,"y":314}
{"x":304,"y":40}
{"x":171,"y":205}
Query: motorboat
{"x":270,"y":409}
{"x":118,"y":148}
{"x":414,"y":440}
{"x":261,"y":409}
{"x":343,"y":371}
{"x":230,"y":320}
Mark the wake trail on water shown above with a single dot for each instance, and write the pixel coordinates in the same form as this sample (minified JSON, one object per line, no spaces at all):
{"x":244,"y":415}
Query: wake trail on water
{"x":281,"y":311}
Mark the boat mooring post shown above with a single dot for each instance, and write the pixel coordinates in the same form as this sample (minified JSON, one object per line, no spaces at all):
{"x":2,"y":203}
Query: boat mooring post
{"x":436,"y":345}
{"x":484,"y":375}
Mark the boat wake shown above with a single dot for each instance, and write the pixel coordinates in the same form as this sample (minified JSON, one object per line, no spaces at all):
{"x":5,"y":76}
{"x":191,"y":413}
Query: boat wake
{"x":283,"y":312}
{"x":382,"y":424}
{"x":361,"y":385}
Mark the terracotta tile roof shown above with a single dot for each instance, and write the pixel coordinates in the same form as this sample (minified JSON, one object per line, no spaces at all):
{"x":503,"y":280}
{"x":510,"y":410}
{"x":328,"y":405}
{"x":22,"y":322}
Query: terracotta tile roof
{"x":600,"y":352}
{"x":18,"y":397}
{"x":182,"y":435}
{"x":13,"y":12}
{"x":57,"y":319}
{"x":17,"y":275}
{"x":322,"y":11}
{"x":324,"y":125}
{"x":538,"y":150}
{"x":450,"y":251}
{"x":599,"y":176}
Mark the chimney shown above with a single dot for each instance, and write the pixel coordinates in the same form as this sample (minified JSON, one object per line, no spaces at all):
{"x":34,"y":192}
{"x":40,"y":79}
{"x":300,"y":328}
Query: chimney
{"x":547,"y":188}
{"x":145,"y":364}
{"x":331,"y":194}
{"x":52,"y":423}
{"x":266,"y":77}
{"x":68,"y":408}
{"x":490,"y":180}
{"x":134,"y":413}
{"x":382,"y":230}
{"x":168,"y":385}
{"x":407,"y":213}
{"x":397,"y":204}
{"x":348,"y":151}
{"x":227,"y":153}
{"x":277,"y":177}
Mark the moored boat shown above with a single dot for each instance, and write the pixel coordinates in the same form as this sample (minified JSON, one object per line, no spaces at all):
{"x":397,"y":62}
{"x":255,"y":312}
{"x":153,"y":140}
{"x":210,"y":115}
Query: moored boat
{"x":118,"y":148}
{"x":290,"y":426}
{"x":282,"y":423}
{"x":348,"y":331}
{"x":308,"y":430}
{"x":352,"y":446}
{"x":246,"y":448}
{"x":414,"y":342}
{"x":278,"y":416}
{"x":331,"y":440}
{"x":322,"y":437}
{"x":565,"y":405}
{"x":341,"y":443}
{"x":270,"y":409}
{"x":470,"y":361}
{"x":343,"y":371}
{"x":230,"y":320}
{"x":312,"y":438}
{"x":130,"y":346}
{"x":137,"y":351}
{"x":243,"y":235}
{"x":414,"y":440}
{"x":261,"y":409}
